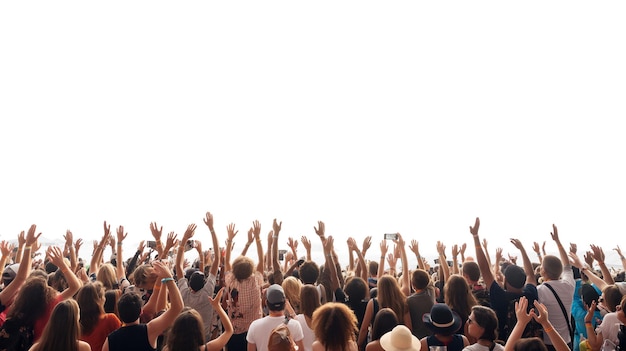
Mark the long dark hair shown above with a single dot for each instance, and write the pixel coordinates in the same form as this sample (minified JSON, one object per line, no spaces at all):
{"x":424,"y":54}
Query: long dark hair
{"x":89,"y":299}
{"x":31,"y":302}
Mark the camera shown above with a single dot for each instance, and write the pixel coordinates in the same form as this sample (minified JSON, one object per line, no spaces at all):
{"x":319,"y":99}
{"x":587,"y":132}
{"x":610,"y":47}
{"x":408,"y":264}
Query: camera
{"x":391,"y":236}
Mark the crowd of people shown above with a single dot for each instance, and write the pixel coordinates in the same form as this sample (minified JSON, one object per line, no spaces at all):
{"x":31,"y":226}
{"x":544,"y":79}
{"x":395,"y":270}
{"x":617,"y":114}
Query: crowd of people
{"x":156,"y":299}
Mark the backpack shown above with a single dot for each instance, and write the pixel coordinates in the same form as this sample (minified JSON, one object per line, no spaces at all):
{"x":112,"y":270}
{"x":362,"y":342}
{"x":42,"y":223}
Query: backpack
{"x":15,"y":337}
{"x":533,"y":328}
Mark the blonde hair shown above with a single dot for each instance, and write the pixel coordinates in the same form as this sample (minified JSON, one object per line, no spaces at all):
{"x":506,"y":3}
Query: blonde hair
{"x":292,"y":286}
{"x":107,"y":276}
{"x":390,"y":295}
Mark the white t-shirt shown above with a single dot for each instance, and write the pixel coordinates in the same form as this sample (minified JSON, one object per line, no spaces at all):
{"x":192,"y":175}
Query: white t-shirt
{"x":479,"y":347}
{"x":609,"y":327}
{"x":309,"y":335}
{"x":260,"y":330}
{"x":564,"y":288}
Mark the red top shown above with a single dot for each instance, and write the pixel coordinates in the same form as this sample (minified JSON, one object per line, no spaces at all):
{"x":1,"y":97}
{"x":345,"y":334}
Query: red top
{"x":108,"y":323}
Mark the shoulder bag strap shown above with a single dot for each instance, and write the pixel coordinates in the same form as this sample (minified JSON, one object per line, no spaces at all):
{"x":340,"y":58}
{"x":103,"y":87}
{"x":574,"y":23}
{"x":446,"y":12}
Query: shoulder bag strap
{"x":558,"y":299}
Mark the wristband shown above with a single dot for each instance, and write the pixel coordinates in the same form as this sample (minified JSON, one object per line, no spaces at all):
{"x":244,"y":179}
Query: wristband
{"x":27,"y":247}
{"x":165,"y":280}
{"x":548,"y":329}
{"x":119,"y":244}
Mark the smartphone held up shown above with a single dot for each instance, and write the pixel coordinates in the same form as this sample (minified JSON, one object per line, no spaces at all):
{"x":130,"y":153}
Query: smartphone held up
{"x":391,"y":236}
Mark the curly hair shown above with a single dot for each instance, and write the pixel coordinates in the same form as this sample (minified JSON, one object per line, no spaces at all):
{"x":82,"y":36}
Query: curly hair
{"x":31,"y":302}
{"x":334,"y":325}
{"x":243,"y":267}
{"x":187,"y":332}
{"x":89,"y":299}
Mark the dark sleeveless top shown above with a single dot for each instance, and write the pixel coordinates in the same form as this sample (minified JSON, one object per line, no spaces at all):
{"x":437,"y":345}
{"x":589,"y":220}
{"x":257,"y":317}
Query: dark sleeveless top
{"x":455,"y":345}
{"x":131,"y":338}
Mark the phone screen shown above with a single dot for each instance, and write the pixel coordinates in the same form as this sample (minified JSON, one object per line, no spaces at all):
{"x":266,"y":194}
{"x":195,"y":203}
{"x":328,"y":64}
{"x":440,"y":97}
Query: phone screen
{"x":391,"y":236}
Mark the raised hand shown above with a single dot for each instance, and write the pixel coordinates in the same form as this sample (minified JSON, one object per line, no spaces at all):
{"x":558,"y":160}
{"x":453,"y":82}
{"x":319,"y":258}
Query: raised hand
{"x":56,"y":256}
{"x":69,"y":238}
{"x":573,"y":248}
{"x":536,"y":248}
{"x":6,"y":248}
{"x":462,"y":250}
{"x":231,"y":232}
{"x":142,"y":246}
{"x":217,"y":301}
{"x":328,"y":245}
{"x":120,"y":234}
{"x":414,"y":247}
{"x":171,"y":240}
{"x":554,"y":234}
{"x":208,"y":220}
{"x":189,"y":232}
{"x":543,"y":248}
{"x":293,"y":244}
{"x":588,"y":257}
{"x":513,"y":259}
{"x":474,"y":229}
{"x":320,"y":231}
{"x":518,"y":244}
{"x":107,"y":230}
{"x":31,"y":238}
{"x":352,"y":244}
{"x":383,"y":248}
{"x":485,"y":244}
{"x":250,"y":236}
{"x":542,"y":317}
{"x":521,"y":307}
{"x":619,"y":251}
{"x":498,"y":255}
{"x":441,"y":248}
{"x":306,"y":243}
{"x":21,"y":238}
{"x":276,"y":227}
{"x":598,"y":253}
{"x":256,"y":229}
{"x":156,"y":231}
{"x":574,"y":260}
{"x":161,"y":270}
{"x":455,"y":250}
{"x":367,"y":243}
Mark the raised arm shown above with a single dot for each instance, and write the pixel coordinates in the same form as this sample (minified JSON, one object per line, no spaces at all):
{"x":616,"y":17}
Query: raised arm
{"x":216,"y":247}
{"x":249,"y":242}
{"x":230,"y":232}
{"x":537,"y":250}
{"x":621,"y":257}
{"x":307,"y":246}
{"x":158,"y":325}
{"x":542,"y":318}
{"x":180,"y":256}
{"x":96,"y":258}
{"x":557,"y":241}
{"x":443,"y":264}
{"x":528,"y":267}
{"x":383,"y":251}
{"x":275,"y":263}
{"x":7,"y":250}
{"x":415,"y":248}
{"x":121,"y":236}
{"x":69,"y":244}
{"x":218,"y":343}
{"x":170,"y":242}
{"x":598,"y":254}
{"x":9,"y":291}
{"x":483,"y":264}
{"x":256,"y":229}
{"x":406,"y":283}
{"x":21,"y":241}
{"x":332,"y":271}
{"x":523,"y":317}
{"x":353,"y":247}
{"x":56,"y":256}
{"x":455,"y":261}
{"x":156,"y":233}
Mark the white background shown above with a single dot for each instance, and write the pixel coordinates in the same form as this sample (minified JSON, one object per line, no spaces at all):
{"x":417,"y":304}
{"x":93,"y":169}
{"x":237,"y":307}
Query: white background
{"x":396,"y":116}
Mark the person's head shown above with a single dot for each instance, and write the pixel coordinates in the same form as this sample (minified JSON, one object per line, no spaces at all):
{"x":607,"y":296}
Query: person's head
{"x":30,"y":303}
{"x":280,"y":339}
{"x":471,"y":271}
{"x":482,"y":323}
{"x":420,"y":279}
{"x":551,"y":267}
{"x":384,"y":322}
{"x":110,"y":301}
{"x":309,"y":272}
{"x":243,"y":267}
{"x":334,"y":325}
{"x":196,"y":281}
{"x":373,"y":268}
{"x":9,"y":273}
{"x":292,"y":287}
{"x":107,"y":276}
{"x":530,"y":344}
{"x":390,"y":295}
{"x":356,"y":289}
{"x":442,"y":320}
{"x":187,"y":331}
{"x":589,"y":294}
{"x":514,"y":277}
{"x":57,"y":281}
{"x":309,"y":300}
{"x":458,"y":295}
{"x":275,"y":297}
{"x":63,"y":330}
{"x":611,"y":297}
{"x":129,"y":307}
{"x":400,"y":339}
{"x":144,"y":277}
{"x":90,"y":298}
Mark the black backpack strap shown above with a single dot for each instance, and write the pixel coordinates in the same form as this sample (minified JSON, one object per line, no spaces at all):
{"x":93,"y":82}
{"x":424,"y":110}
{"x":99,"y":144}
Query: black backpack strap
{"x":558,"y":299}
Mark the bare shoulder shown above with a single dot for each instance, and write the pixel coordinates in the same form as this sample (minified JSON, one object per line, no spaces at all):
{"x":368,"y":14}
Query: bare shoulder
{"x":83,"y":346}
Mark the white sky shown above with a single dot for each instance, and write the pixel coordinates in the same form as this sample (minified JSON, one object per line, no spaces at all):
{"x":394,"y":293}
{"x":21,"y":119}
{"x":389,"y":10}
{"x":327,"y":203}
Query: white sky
{"x":371,"y":116}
